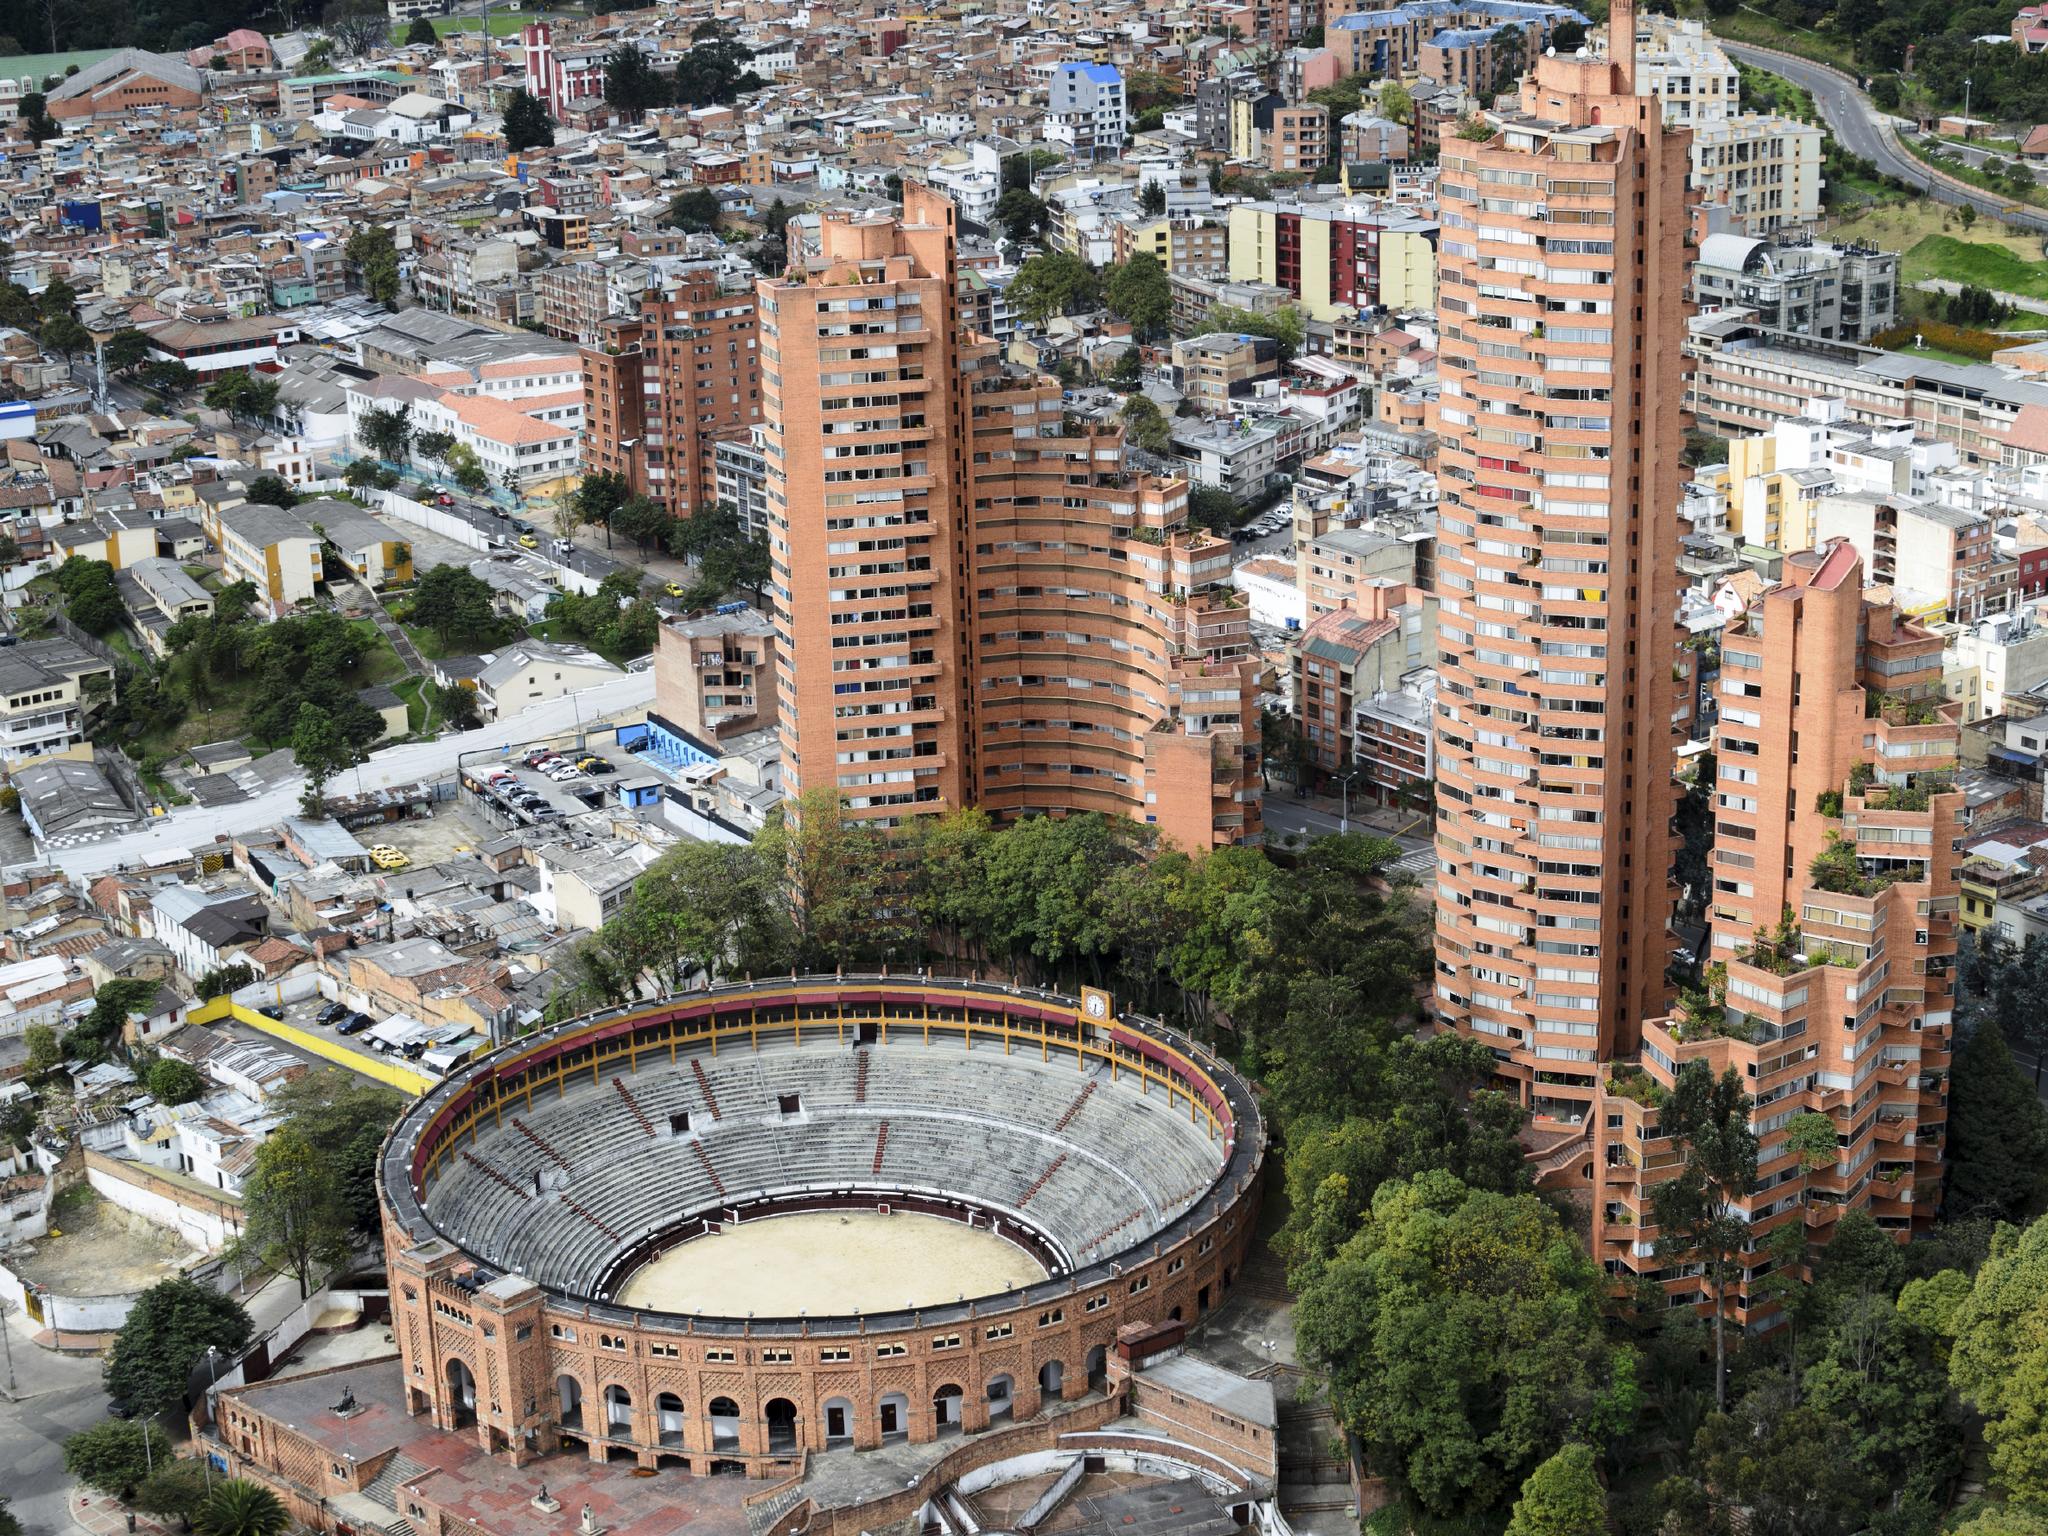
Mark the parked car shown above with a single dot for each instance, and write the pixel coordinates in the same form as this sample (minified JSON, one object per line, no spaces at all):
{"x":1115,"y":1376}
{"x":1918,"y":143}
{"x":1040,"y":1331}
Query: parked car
{"x":595,"y":765}
{"x":354,"y":1024}
{"x":528,"y":541}
{"x":565,"y":546}
{"x":332,"y":1012}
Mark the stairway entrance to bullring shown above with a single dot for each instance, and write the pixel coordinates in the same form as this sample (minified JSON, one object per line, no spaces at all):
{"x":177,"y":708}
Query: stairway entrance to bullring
{"x":781,"y":1416}
{"x":725,"y":1424}
{"x":1050,"y":1376}
{"x":461,"y":1394}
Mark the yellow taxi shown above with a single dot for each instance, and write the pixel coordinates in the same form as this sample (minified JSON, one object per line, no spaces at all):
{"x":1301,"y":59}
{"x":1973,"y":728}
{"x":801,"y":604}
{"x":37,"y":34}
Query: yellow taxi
{"x":675,"y":589}
{"x":528,"y":541}
{"x":384,"y":856}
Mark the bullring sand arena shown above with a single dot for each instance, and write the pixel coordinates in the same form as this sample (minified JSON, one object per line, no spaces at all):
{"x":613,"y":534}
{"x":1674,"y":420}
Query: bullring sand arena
{"x":818,"y":1262}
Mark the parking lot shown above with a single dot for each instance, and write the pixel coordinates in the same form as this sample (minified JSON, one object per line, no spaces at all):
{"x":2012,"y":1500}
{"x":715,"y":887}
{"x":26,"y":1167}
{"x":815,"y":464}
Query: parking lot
{"x":547,"y":781}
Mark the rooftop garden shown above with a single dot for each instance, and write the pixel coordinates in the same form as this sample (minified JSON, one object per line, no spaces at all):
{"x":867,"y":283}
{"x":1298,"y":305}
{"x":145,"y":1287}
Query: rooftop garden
{"x":1632,"y":1082}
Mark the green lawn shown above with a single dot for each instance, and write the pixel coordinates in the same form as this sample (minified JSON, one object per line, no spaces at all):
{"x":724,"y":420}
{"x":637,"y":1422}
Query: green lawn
{"x":1763,"y":91}
{"x":1987,"y":266}
{"x":380,"y":663}
{"x":501,"y":25}
{"x":1753,"y":26}
{"x":1938,"y":355}
{"x":1918,"y":148}
{"x":419,"y":710}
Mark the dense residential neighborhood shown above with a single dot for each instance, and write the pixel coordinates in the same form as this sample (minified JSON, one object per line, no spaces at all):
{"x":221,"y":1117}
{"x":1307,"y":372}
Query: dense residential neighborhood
{"x":791,"y":769}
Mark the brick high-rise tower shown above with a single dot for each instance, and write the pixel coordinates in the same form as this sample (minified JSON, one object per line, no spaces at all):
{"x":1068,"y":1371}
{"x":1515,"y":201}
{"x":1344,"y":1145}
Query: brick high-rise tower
{"x":1562,"y":309}
{"x":663,"y":385}
{"x":1831,"y":987}
{"x":976,"y":604}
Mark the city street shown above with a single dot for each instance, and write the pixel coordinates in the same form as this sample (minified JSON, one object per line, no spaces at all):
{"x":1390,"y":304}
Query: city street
{"x":1865,"y":131}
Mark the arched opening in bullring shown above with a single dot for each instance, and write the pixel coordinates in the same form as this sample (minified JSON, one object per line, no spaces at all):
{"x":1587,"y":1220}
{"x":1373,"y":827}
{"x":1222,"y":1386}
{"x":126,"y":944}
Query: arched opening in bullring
{"x":618,"y":1410}
{"x":1098,"y":1367}
{"x":668,"y":1414}
{"x":946,"y":1409}
{"x":1051,"y":1376}
{"x":838,"y":1421}
{"x":462,"y":1393}
{"x":1001,"y":1397}
{"x":570,"y":1391}
{"x":725,"y":1423}
{"x":894,"y":1414}
{"x":621,"y":1453}
{"x":781,"y":1416}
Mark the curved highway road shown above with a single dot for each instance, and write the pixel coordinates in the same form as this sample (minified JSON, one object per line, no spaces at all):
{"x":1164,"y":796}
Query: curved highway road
{"x":1866,"y":132}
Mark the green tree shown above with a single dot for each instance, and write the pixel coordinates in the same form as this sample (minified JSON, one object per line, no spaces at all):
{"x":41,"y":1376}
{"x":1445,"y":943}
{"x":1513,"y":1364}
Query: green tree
{"x":1052,"y":283}
{"x":457,"y":705}
{"x":43,"y":1050}
{"x":1146,"y":425}
{"x":223,"y":979}
{"x":466,"y":468}
{"x":458,"y":606}
{"x":114,"y":1003}
{"x":9,"y":1525}
{"x":1283,"y":325}
{"x":387,"y":432}
{"x":37,"y":125}
{"x":1997,"y":1133}
{"x":165,"y":376}
{"x":433,"y":445}
{"x":1022,"y":168}
{"x":373,"y":253}
{"x":643,"y":520}
{"x":836,"y":871}
{"x":171,"y":1081}
{"x":1022,"y":214}
{"x":1460,"y":1332}
{"x":115,"y":1456}
{"x":631,"y":84}
{"x":1879,"y":1380}
{"x":272,"y":491}
{"x":65,"y":336}
{"x":1790,"y":1471}
{"x":598,"y":497}
{"x":125,"y":351}
{"x":1138,"y":291}
{"x":527,"y":124}
{"x":1562,"y":1497}
{"x":175,"y":1490}
{"x":422,"y":32}
{"x":346,"y":1117}
{"x":239,"y":1507}
{"x":696,"y":208}
{"x":1998,"y":1363}
{"x":707,"y":909}
{"x":1707,"y":1120}
{"x":295,"y":1211}
{"x":167,"y":1332}
{"x":321,"y":749}
{"x":1152,"y":199}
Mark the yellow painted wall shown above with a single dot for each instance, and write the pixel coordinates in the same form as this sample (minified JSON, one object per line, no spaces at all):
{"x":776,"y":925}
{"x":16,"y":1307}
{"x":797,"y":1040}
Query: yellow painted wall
{"x":384,"y":1070}
{"x":1253,"y":246}
{"x":1316,"y":299}
{"x":1407,"y":270}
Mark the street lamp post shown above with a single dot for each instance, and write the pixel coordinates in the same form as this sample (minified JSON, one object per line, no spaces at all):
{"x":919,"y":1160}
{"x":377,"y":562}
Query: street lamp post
{"x":1344,"y":810}
{"x":1966,"y":106}
{"x":7,"y":1342}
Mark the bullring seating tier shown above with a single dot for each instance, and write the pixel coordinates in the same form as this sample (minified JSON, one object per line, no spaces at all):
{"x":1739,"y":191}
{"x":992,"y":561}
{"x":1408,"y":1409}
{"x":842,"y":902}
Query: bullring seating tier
{"x":560,"y":1190}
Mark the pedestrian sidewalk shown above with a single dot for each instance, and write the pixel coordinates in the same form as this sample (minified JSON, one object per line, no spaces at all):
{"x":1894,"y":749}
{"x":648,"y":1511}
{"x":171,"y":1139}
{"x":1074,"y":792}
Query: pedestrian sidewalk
{"x":100,"y":1514}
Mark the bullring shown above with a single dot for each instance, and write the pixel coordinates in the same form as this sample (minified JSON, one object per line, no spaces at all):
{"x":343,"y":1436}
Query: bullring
{"x":528,"y":1194}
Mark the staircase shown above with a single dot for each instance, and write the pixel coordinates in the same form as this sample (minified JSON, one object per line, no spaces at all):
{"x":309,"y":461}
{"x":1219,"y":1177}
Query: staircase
{"x":631,"y":1104}
{"x":705,"y":1158}
{"x":594,"y":1220}
{"x":881,"y":1146}
{"x":1315,"y":1479}
{"x":540,"y":1141}
{"x":383,"y":1489}
{"x":493,"y":1174}
{"x":860,"y":1077}
{"x":704,"y":1087}
{"x":1041,"y":1181}
{"x":1074,"y":1108}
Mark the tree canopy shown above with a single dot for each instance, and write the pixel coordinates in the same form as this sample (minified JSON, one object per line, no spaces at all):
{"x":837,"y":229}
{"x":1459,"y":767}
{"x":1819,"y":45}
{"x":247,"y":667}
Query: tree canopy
{"x":168,"y":1331}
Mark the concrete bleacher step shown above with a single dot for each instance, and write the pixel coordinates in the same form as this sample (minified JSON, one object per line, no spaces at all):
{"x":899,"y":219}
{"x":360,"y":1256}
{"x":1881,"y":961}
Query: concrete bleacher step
{"x":493,"y":1174}
{"x":860,"y":1077}
{"x":627,"y":1094}
{"x":705,"y":1158}
{"x":541,"y":1143}
{"x":596,"y":1221}
{"x":1043,"y":1179}
{"x":881,"y":1146}
{"x":1074,"y":1108}
{"x":704,"y":1087}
